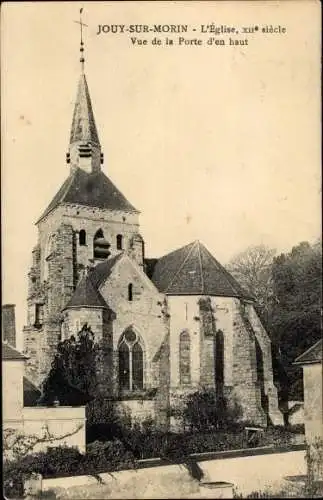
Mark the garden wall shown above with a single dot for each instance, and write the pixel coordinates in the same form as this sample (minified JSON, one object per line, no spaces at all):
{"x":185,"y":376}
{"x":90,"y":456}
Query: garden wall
{"x":64,"y":422}
{"x":247,"y":470}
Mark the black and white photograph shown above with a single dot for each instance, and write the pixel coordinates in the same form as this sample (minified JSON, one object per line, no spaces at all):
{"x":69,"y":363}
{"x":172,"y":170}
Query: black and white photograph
{"x":161,"y":249}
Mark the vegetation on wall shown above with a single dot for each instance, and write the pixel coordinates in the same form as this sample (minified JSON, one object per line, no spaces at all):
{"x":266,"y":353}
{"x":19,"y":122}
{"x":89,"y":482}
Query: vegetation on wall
{"x":72,"y":379}
{"x":288,"y":291}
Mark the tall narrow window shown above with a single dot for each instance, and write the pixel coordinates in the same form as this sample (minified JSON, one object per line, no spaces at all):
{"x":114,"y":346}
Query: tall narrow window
{"x":131,"y":362}
{"x":130,"y":292}
{"x":82,"y":237}
{"x":184,"y":358}
{"x":219,"y":363}
{"x":124,"y":371}
{"x":260,"y":376}
{"x":119,"y":241}
{"x":137,"y":367}
{"x":39,"y":312}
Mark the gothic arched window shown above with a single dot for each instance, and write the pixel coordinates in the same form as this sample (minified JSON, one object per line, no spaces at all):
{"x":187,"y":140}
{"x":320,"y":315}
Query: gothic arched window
{"x":131,"y":362}
{"x":184,"y":358}
{"x":119,"y":241}
{"x":82,"y":237}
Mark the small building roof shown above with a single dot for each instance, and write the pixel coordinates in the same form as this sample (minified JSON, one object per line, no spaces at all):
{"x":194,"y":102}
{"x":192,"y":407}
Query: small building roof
{"x":192,"y":270}
{"x":99,"y":273}
{"x":312,"y":355}
{"x":9,"y":353}
{"x":31,"y":393}
{"x":86,"y":295}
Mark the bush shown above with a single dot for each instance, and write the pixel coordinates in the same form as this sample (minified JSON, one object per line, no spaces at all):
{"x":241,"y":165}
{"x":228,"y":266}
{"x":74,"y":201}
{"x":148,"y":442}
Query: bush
{"x":204,"y":410}
{"x":63,"y":461}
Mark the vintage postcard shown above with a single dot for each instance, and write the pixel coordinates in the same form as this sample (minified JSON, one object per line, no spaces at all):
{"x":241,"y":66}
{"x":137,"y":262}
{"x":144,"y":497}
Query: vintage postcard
{"x":161,"y":332}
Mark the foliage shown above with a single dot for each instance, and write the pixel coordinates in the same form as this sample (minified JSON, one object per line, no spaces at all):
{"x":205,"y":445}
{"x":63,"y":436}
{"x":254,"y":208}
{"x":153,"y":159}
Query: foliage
{"x":252,"y":269}
{"x":137,"y":442}
{"x":295,"y":316}
{"x":72,"y":379}
{"x":63,"y":461}
{"x":16,"y":444}
{"x":288,"y":292}
{"x":204,"y":410}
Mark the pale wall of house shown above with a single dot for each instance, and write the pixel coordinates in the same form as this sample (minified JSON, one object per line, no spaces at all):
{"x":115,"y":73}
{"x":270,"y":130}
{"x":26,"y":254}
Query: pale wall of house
{"x":66,"y":424}
{"x":12,"y":389}
{"x":313,"y":407}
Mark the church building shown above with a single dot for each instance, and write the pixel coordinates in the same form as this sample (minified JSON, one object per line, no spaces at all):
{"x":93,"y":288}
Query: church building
{"x":167,"y":326}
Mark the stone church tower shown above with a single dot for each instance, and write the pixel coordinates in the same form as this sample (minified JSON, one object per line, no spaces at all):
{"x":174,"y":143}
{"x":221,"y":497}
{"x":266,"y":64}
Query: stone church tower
{"x":87,"y":221}
{"x":166,"y":326}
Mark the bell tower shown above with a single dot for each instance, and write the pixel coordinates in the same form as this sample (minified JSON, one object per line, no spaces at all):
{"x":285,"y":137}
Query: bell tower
{"x":84,"y":149}
{"x":88,"y":221}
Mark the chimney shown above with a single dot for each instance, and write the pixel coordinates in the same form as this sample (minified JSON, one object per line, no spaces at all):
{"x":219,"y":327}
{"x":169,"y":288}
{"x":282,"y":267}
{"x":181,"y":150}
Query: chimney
{"x":9,"y":324}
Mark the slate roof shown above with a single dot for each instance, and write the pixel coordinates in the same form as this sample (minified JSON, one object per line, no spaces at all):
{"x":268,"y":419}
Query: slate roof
{"x":87,"y":292}
{"x":31,"y":393}
{"x":83,"y":124}
{"x":102,"y":271}
{"x":86,"y":295}
{"x":9,"y":353}
{"x":92,"y":190}
{"x":192,"y":270}
{"x":312,"y":355}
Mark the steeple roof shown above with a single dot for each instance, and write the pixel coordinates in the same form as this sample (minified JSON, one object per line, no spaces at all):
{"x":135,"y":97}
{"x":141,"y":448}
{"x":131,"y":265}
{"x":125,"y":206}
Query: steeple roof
{"x":83,"y":124}
{"x":192,"y":270}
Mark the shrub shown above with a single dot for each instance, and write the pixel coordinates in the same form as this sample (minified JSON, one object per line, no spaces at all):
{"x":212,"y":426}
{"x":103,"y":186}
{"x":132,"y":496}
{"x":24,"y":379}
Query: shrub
{"x":204,"y":410}
{"x":63,"y":461}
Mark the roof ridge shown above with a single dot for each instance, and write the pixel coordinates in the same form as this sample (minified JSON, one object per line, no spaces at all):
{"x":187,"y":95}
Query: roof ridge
{"x":229,"y":278}
{"x":308,"y":351}
{"x":176,"y":250}
{"x":85,"y":284}
{"x":180,"y":267}
{"x":59,"y":196}
{"x":201,"y":265}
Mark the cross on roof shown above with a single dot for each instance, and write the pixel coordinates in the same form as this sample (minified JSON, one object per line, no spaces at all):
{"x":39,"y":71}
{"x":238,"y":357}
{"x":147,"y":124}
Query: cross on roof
{"x":80,"y":22}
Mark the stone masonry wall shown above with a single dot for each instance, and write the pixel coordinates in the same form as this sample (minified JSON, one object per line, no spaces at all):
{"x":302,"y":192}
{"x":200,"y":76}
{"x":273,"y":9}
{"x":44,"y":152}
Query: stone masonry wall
{"x":91,"y":219}
{"x":245,"y":386}
{"x":263,"y":339}
{"x":143,"y":313}
{"x":40,"y":341}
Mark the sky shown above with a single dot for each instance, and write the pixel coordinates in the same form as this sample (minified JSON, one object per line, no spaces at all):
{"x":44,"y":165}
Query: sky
{"x":220,"y":144}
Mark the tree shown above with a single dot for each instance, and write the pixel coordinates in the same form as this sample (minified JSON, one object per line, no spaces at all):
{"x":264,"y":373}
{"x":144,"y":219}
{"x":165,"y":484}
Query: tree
{"x":295,"y":317}
{"x":252,"y":269}
{"x":72,"y":379}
